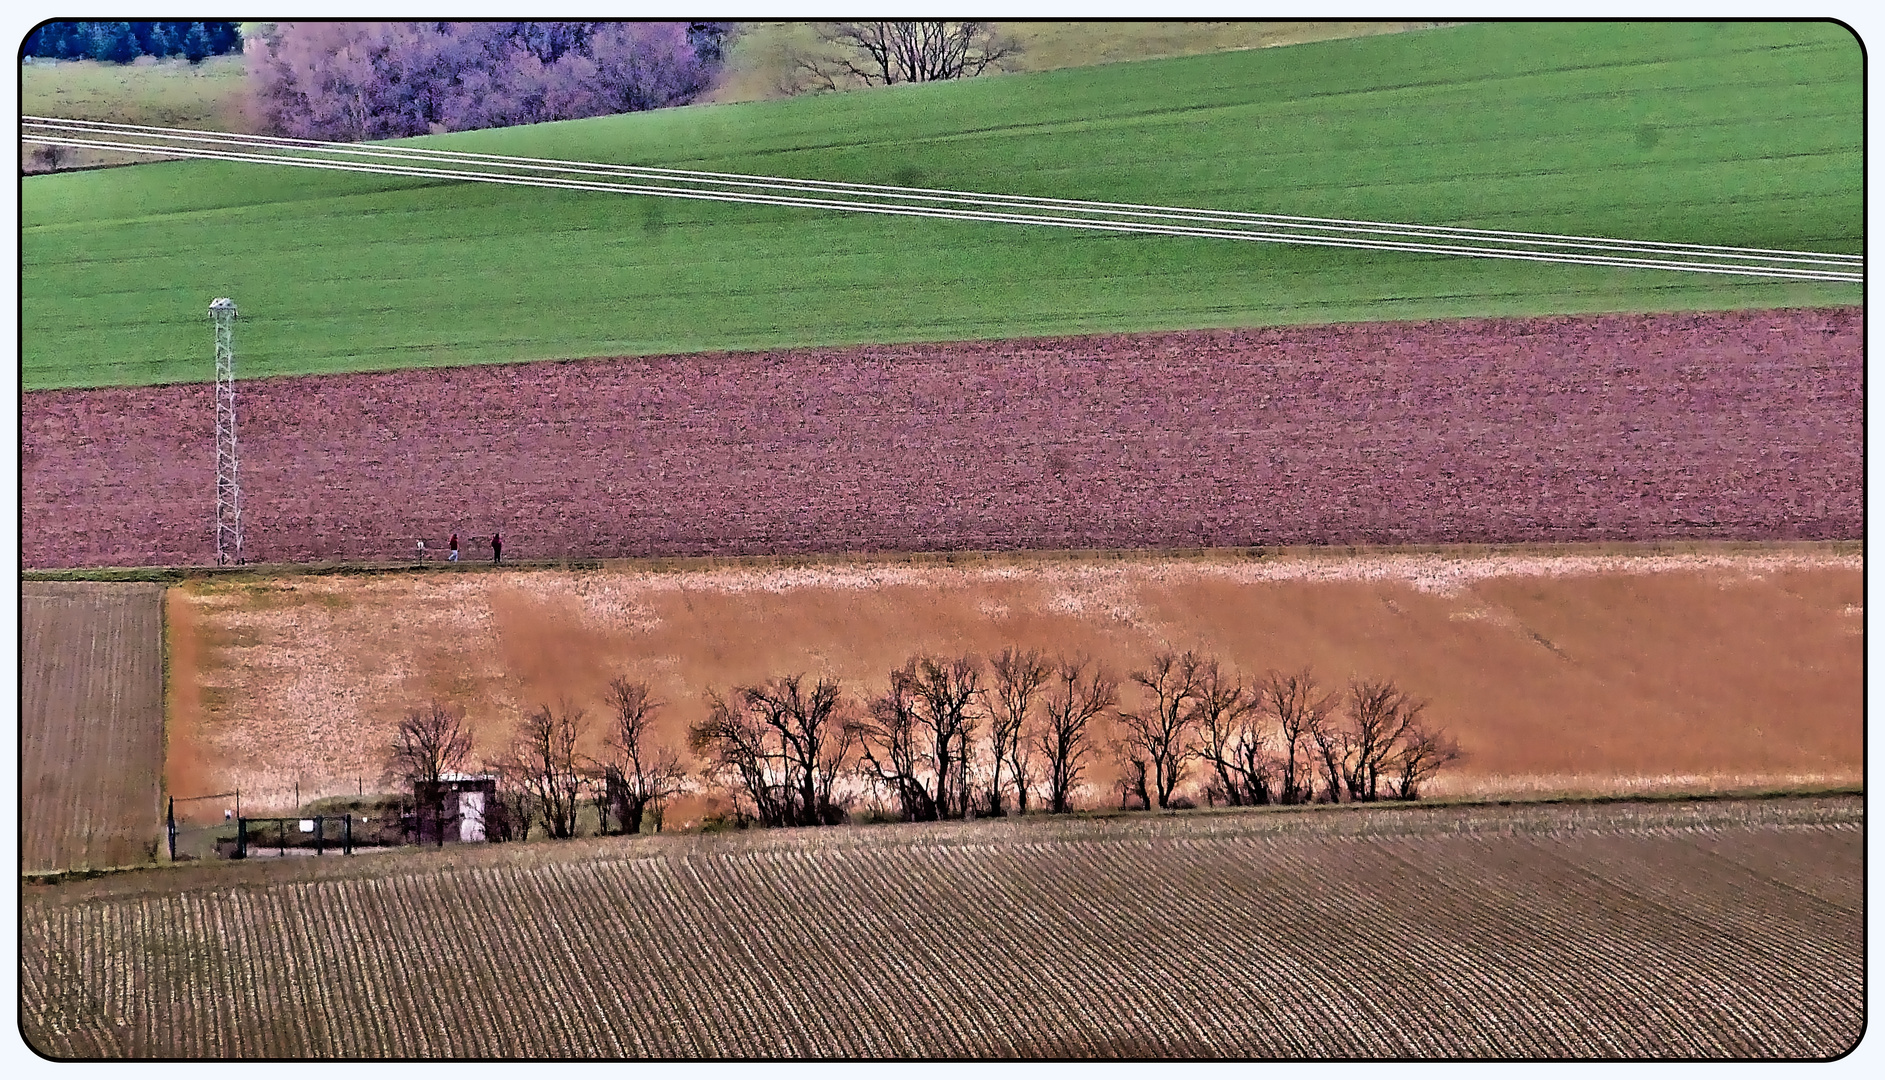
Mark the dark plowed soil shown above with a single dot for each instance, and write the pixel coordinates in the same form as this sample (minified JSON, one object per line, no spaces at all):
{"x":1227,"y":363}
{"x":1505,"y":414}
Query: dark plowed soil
{"x":1736,"y":425}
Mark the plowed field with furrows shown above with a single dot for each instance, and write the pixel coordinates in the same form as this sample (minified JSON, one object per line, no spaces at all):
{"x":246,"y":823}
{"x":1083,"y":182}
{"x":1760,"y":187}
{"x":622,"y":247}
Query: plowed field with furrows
{"x":1728,"y":425}
{"x":1629,"y":930}
{"x":91,"y":724}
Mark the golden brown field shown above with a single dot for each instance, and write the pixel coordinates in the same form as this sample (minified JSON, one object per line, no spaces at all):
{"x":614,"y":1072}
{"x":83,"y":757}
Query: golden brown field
{"x":1558,"y":673}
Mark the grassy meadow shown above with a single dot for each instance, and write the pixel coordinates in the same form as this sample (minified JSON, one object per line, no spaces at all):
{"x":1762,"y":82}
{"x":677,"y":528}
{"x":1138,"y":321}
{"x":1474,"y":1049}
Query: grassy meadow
{"x":1736,"y":133}
{"x":761,"y":60}
{"x":170,"y":92}
{"x":161,"y":93}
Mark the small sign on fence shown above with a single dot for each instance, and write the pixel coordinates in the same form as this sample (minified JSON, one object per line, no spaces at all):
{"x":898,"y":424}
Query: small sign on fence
{"x":307,"y":824}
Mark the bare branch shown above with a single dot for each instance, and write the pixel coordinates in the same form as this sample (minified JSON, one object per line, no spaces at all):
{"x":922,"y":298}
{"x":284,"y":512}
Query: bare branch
{"x":638,"y":776}
{"x":1018,"y":678}
{"x":780,"y":747}
{"x":1297,"y":706}
{"x":1423,"y":753}
{"x":1224,"y":715}
{"x":429,"y":743}
{"x":1160,"y":732}
{"x":1079,"y":694}
{"x":1379,"y":715}
{"x":887,"y":53}
{"x":918,"y":739}
{"x":543,"y":760}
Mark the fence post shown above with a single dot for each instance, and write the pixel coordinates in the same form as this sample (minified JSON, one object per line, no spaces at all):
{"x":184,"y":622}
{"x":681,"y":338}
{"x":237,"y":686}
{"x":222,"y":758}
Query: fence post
{"x":320,"y":835}
{"x":347,"y":840}
{"x":242,"y":838}
{"x":170,"y":826}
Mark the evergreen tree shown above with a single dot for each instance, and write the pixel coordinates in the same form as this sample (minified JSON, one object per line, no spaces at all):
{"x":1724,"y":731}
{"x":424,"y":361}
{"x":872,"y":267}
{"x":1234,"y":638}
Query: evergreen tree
{"x":196,"y":44}
{"x":224,"y":37}
{"x":159,"y":43}
{"x":72,"y":40}
{"x":113,"y":43}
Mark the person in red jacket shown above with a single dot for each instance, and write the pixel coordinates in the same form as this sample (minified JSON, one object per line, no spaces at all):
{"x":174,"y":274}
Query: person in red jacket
{"x":497,"y":547}
{"x":453,"y":557}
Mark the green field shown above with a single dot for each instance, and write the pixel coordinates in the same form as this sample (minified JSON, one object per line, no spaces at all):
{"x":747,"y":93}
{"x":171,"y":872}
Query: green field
{"x":1742,"y":133}
{"x":760,"y":64}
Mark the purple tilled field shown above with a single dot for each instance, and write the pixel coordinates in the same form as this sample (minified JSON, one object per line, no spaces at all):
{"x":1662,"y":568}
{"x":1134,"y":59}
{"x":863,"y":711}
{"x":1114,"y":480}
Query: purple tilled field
{"x":1723,"y":425}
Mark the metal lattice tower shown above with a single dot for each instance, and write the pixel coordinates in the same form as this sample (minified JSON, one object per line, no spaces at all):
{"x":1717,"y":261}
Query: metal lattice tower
{"x":222,"y":311}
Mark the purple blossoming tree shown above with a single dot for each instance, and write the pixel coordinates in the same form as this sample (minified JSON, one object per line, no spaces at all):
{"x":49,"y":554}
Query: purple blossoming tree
{"x":358,"y":81}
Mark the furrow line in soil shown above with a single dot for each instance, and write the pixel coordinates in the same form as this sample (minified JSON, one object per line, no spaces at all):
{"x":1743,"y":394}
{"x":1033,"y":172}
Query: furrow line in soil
{"x":737,"y":970}
{"x":851,"y":881}
{"x":456,"y":937}
{"x":788,"y":943}
{"x":621,"y":958}
{"x":404,"y":927}
{"x":583,"y":964}
{"x":683,"y":1009}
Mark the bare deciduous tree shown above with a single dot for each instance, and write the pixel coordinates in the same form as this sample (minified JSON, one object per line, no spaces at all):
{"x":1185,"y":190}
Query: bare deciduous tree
{"x":1018,"y":678}
{"x":371,"y":80}
{"x":1334,"y":750}
{"x":543,"y":761}
{"x":1423,"y":753}
{"x":1081,"y":691}
{"x":1298,"y":708}
{"x":890,"y":757}
{"x":1132,"y":780}
{"x":639,"y":775}
{"x":429,"y":743}
{"x":1224,"y":714}
{"x":1380,"y":714}
{"x":517,"y":807}
{"x":950,"y":690}
{"x":780,"y":747}
{"x":1160,"y":732}
{"x":886,"y":53}
{"x":917,"y":739}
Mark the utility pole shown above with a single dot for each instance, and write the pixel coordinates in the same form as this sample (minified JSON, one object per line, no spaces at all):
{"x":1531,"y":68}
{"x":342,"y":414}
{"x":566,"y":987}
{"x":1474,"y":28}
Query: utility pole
{"x":222,"y":311}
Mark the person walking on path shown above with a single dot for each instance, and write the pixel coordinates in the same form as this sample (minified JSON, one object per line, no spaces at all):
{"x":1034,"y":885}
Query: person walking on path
{"x":453,"y":557}
{"x":497,"y":547}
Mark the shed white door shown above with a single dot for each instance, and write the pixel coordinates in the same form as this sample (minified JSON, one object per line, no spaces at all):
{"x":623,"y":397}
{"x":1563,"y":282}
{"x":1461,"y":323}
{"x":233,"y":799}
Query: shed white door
{"x":471,"y":815}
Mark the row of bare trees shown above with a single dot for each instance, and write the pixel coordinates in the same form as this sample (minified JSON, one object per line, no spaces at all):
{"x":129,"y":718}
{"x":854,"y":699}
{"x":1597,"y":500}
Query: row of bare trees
{"x":544,"y":775}
{"x":956,"y":737}
{"x":918,"y":751}
{"x":1279,"y":739}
